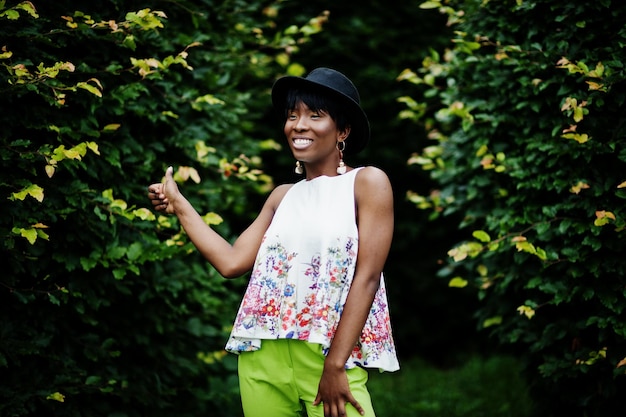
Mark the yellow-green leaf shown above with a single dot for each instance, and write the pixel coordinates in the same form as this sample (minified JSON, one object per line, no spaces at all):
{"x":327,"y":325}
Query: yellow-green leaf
{"x":493,"y":246}
{"x":209,"y":99}
{"x":108,"y":194}
{"x":203,"y":150}
{"x":92,"y":89}
{"x":461,"y":252}
{"x":94,"y":147}
{"x":603,"y":217}
{"x":10,"y":14}
{"x":593,"y":357}
{"x":578,"y":114}
{"x":28,"y":7}
{"x":32,"y":190}
{"x":457,"y":282}
{"x":598,"y":71}
{"x":111,"y":126}
{"x":578,"y":137}
{"x":526,"y":247}
{"x":212,"y":218}
{"x":184,"y":173}
{"x":144,"y":214}
{"x":282,"y":59}
{"x":164,"y":221}
{"x":528,"y":311}
{"x":43,"y":235}
{"x":430,"y":5}
{"x":50,"y":170}
{"x":576,"y":189}
{"x":481,"y":235}
{"x":56,"y":396}
{"x":541,"y":254}
{"x":119,"y":204}
{"x":596,"y":86}
{"x":492,"y":321}
{"x":30,"y":235}
{"x":457,"y":254}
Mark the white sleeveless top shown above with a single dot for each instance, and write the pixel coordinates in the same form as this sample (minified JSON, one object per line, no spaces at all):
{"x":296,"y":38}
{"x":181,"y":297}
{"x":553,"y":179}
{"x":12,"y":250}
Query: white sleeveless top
{"x":303,"y":272}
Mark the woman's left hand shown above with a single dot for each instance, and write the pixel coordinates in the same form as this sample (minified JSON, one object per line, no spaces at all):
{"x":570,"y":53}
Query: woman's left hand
{"x":334,"y":393}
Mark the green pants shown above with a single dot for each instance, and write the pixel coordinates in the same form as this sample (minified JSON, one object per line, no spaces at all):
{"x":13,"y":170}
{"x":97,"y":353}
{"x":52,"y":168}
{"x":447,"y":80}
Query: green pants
{"x":282,"y":376}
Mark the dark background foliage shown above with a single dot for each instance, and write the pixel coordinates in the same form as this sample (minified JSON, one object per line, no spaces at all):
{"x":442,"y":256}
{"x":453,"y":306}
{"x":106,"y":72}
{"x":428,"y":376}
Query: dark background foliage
{"x":528,"y":116}
{"x":107,"y":309}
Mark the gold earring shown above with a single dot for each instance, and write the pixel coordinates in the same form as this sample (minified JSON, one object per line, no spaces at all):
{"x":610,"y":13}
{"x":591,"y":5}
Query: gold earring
{"x":341,"y":169}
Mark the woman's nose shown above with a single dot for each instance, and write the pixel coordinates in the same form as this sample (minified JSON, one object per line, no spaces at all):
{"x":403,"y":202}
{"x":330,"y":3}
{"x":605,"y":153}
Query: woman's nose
{"x":300,"y":124}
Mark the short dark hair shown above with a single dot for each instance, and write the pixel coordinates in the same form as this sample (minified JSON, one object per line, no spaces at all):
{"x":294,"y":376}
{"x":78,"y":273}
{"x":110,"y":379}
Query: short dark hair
{"x":317,"y":101}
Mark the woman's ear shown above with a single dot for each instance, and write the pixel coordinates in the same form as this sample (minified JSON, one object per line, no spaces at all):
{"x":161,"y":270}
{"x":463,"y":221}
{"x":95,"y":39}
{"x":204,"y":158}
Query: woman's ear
{"x":345,"y":133}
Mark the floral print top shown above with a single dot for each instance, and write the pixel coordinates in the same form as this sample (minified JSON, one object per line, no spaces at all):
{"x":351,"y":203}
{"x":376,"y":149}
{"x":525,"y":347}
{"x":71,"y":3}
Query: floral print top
{"x":303,"y":272}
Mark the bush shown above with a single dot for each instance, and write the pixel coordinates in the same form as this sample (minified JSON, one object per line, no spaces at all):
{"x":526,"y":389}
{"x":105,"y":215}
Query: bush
{"x":525,"y":113}
{"x":106,"y":307}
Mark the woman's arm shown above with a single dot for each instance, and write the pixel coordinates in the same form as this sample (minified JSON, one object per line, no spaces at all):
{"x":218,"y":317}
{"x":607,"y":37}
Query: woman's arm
{"x":229,"y":260}
{"x":374,"y":202}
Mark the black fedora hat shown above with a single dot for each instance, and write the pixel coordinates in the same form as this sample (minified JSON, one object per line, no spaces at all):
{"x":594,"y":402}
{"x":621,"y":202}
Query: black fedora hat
{"x":338,"y":86}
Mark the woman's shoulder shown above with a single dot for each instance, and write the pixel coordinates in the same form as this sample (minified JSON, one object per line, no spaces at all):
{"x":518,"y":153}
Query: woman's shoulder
{"x":371,"y":176}
{"x":282,"y":188}
{"x":277,"y":194}
{"x":371,"y":183}
{"x":280,"y":191}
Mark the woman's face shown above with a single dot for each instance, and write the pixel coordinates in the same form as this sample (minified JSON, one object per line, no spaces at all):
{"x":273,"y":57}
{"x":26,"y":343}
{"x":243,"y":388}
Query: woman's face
{"x":312,"y":135}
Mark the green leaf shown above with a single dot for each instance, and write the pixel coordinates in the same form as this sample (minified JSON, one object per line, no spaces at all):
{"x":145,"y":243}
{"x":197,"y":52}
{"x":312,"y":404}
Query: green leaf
{"x":91,"y":88}
{"x":457,"y":282}
{"x":93,"y":380}
{"x":54,"y":300}
{"x":119,"y":273}
{"x":30,"y":234}
{"x":430,"y":5}
{"x":481,"y":235}
{"x":56,"y":396}
{"x":32,"y":190}
{"x":212,"y":218}
{"x":492,"y":321}
{"x":134,"y":251}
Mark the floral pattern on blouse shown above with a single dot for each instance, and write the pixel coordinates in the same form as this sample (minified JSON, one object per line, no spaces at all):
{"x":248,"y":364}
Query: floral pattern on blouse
{"x":302,"y":275}
{"x":314,"y":315}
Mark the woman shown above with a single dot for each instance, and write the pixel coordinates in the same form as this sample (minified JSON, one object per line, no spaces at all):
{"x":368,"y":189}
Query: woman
{"x":315,"y":312}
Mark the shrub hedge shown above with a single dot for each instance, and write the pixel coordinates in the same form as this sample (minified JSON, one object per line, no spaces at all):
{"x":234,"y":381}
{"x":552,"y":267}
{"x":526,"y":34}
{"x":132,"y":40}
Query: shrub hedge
{"x":106,"y":308}
{"x":525,"y":111}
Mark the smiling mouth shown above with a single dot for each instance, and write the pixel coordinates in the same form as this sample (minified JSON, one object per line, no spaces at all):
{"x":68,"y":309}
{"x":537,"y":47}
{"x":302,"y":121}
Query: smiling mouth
{"x":301,"y":142}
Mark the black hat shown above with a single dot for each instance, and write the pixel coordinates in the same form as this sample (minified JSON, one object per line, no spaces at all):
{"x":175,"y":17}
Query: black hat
{"x":338,"y":86}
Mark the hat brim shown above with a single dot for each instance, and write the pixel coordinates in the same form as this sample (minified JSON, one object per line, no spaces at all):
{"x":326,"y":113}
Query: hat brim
{"x":359,"y":123}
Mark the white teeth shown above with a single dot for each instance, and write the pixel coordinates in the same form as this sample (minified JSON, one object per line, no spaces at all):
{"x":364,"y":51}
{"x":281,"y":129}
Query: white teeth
{"x":302,"y":141}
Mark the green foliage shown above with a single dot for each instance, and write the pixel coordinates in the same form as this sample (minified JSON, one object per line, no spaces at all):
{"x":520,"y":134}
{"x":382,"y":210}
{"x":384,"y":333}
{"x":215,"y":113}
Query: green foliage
{"x":525,"y":113}
{"x":477,"y":388}
{"x":106,"y":307}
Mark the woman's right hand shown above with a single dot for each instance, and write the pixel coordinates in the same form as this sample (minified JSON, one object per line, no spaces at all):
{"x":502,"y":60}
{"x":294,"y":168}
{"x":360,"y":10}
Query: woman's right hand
{"x":163,"y":195}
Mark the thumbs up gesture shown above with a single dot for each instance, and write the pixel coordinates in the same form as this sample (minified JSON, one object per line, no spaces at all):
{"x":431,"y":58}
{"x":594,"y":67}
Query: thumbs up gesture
{"x":163,"y":195}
